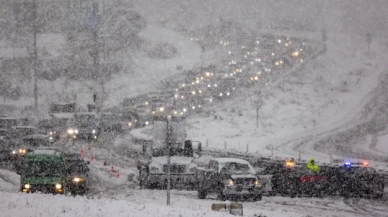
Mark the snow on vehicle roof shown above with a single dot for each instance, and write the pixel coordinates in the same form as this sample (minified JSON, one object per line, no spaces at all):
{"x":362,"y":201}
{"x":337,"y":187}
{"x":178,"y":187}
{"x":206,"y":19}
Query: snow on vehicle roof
{"x":229,"y":160}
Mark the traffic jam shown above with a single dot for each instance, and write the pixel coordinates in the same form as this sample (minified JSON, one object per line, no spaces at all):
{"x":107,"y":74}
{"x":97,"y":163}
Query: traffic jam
{"x":35,"y":149}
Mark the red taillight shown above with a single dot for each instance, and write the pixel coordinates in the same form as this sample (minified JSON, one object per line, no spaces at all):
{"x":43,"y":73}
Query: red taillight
{"x":305,"y":179}
{"x":312,"y":178}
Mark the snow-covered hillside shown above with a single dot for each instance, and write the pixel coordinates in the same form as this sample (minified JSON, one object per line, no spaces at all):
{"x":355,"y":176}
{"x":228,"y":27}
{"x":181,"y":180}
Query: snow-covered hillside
{"x":323,"y":93}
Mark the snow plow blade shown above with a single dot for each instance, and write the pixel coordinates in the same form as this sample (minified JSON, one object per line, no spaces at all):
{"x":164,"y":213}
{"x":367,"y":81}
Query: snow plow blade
{"x":235,"y":209}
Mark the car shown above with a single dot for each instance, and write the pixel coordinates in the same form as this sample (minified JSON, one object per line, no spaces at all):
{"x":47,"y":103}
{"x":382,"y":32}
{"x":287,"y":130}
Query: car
{"x":294,"y":179}
{"x":360,"y":180}
{"x":110,"y":122}
{"x":77,"y":170}
{"x":229,"y":178}
{"x":84,"y":126}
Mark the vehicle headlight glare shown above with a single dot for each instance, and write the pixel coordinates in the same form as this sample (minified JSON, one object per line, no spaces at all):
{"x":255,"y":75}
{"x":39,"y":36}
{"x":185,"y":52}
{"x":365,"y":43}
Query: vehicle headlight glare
{"x":51,"y":133}
{"x":58,"y":186}
{"x":70,"y":131}
{"x":94,"y":131}
{"x":77,"y":179}
{"x":27,"y":186}
{"x":76,"y":131}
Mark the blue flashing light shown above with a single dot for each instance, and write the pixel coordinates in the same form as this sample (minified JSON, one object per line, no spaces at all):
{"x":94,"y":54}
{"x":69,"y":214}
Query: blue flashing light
{"x":348,"y":164}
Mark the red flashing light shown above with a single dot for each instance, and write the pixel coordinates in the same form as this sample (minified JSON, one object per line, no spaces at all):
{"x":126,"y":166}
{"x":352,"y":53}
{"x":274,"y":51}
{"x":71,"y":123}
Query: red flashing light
{"x":365,"y":163}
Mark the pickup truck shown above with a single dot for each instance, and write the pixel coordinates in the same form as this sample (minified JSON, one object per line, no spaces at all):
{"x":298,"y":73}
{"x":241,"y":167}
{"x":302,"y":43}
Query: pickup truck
{"x":229,"y":178}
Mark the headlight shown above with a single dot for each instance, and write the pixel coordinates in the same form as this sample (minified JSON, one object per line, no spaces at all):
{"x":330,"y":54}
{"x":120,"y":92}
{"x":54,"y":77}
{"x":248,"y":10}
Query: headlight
{"x":51,"y":138}
{"x":76,"y":131}
{"x":13,"y":152}
{"x":229,"y":182}
{"x":27,"y":186}
{"x":70,"y":131}
{"x":257,"y":183}
{"x":129,"y":124}
{"x":94,"y":131}
{"x":154,"y":170}
{"x":58,"y":186}
{"x":78,"y":179}
{"x":51,"y":133}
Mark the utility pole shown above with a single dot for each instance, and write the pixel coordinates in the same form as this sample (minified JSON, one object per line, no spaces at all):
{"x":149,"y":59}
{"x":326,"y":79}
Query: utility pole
{"x":35,"y":54}
{"x":97,"y":72}
{"x":168,"y":159}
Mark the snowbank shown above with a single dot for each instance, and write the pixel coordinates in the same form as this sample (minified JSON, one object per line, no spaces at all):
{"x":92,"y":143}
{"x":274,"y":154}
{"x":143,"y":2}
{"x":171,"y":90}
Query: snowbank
{"x":61,"y":206}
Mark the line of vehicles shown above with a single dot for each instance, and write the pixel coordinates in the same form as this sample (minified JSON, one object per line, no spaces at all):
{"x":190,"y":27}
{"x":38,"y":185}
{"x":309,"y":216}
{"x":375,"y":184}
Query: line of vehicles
{"x":234,"y":178}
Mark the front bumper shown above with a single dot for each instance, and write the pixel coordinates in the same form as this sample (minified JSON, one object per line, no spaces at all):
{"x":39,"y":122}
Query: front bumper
{"x":46,"y":189}
{"x":242,"y":190}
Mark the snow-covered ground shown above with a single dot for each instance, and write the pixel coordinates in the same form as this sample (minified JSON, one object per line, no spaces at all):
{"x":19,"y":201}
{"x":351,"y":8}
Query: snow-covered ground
{"x":325,"y":93}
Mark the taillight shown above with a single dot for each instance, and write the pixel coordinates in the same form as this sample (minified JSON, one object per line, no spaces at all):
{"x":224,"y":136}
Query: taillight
{"x":312,"y":178}
{"x":305,"y":179}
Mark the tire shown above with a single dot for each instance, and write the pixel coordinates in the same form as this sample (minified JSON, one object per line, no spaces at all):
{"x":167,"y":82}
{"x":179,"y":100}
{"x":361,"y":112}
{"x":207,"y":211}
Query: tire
{"x":257,"y":197}
{"x":221,"y":196}
{"x":202,"y":194}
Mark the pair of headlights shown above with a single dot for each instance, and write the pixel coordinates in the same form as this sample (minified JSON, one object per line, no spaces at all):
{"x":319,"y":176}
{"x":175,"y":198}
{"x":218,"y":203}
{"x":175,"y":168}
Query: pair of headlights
{"x":75,"y":131}
{"x":72,"y":131}
{"x":231,"y":182}
{"x":58,"y":186}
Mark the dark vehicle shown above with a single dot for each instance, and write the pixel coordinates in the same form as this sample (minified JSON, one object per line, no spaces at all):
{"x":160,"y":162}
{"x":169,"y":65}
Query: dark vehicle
{"x":77,"y":169}
{"x":359,"y":181}
{"x":293,"y":180}
{"x":48,"y":126}
{"x":110,"y":122}
{"x":229,"y":178}
{"x":24,"y":140}
{"x":85,"y":126}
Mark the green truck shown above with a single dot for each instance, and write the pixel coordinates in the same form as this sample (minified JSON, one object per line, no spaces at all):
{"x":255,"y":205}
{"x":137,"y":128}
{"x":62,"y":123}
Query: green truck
{"x":44,"y":171}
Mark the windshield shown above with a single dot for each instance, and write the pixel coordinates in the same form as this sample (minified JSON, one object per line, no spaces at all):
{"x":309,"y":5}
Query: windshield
{"x":86,"y":120}
{"x":237,"y":168}
{"x":42,"y":169}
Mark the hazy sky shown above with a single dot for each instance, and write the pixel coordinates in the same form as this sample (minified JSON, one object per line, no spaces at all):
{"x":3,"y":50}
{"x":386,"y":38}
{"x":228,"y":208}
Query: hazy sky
{"x":359,"y":16}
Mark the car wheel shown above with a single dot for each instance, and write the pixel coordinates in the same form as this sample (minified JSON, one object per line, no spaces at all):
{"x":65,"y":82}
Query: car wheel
{"x":202,"y":194}
{"x":221,"y":196}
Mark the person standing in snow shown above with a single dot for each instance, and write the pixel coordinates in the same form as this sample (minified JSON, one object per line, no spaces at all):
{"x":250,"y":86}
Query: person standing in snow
{"x":311,"y":165}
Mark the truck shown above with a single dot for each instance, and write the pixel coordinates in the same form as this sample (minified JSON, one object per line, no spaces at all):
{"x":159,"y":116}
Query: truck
{"x":229,"y":178}
{"x":44,"y":171}
{"x":153,"y":172}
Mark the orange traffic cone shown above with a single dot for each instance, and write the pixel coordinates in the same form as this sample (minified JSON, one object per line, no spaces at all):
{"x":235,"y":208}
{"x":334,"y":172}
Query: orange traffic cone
{"x":83,"y":154}
{"x":118,"y":174}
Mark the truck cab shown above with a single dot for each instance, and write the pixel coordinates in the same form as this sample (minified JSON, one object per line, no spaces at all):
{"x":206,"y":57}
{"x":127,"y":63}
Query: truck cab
{"x":229,"y":178}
